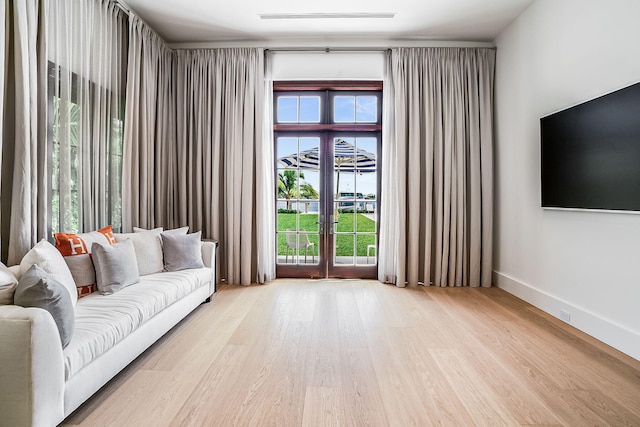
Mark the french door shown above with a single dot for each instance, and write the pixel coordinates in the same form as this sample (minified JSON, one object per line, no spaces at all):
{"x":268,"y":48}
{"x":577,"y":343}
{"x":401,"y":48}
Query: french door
{"x":328,"y":226}
{"x":327,"y":145}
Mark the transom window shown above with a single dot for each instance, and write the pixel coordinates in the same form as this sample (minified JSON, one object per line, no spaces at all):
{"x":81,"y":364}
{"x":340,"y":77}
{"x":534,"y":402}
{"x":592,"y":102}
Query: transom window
{"x":355,"y":109}
{"x":298,"y":109}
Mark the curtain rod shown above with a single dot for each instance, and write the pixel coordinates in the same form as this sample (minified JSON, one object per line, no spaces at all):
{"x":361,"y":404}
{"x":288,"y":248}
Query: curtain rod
{"x":361,"y":49}
{"x":328,"y":49}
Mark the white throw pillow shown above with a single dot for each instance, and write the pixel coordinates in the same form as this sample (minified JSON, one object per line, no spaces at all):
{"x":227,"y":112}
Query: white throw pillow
{"x":142,"y":230}
{"x":181,"y":230}
{"x":148,"y":249}
{"x":8,"y":284}
{"x":47,"y":257}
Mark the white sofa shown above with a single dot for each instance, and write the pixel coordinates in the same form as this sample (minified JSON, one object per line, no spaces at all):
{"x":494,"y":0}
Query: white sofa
{"x":41,"y":383}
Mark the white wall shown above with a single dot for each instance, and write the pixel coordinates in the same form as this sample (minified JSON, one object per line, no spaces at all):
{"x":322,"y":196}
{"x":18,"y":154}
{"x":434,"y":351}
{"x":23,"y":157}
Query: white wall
{"x":334,"y":65}
{"x":557,"y":54}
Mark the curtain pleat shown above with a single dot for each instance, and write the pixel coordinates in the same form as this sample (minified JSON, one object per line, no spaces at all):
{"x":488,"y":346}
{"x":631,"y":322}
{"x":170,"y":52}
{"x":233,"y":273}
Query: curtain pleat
{"x":24,"y":210}
{"x":265,"y":206}
{"x":436,"y":217}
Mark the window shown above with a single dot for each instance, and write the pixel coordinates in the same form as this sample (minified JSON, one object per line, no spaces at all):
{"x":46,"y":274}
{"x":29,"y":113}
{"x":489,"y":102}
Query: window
{"x":85,"y":153}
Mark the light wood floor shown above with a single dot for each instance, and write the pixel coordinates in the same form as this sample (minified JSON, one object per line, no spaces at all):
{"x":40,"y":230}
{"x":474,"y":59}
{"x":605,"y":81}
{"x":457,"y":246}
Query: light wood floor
{"x":324,"y":353}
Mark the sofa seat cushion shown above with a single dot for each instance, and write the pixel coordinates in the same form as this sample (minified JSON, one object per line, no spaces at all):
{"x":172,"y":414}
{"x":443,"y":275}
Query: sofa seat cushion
{"x":104,"y":320}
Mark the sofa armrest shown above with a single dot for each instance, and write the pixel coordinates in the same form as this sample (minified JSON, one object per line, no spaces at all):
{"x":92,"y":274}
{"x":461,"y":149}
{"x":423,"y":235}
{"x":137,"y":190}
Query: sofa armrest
{"x":31,"y":368}
{"x":209,"y":260}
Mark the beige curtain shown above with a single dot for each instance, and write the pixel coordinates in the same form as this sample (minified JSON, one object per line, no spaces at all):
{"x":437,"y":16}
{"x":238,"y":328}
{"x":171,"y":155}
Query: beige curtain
{"x":151,"y":194}
{"x":87,"y":44}
{"x":220,"y":101}
{"x":23,"y":185}
{"x":265,"y":205}
{"x":193,"y":134}
{"x":437,"y":183}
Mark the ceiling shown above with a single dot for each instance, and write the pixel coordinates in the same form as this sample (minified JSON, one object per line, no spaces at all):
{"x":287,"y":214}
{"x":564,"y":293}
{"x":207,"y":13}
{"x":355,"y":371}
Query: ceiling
{"x":198,"y":21}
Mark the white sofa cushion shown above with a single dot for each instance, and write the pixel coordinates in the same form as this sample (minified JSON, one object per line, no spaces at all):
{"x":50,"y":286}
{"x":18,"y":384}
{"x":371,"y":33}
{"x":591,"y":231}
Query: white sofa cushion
{"x":104,"y":320}
{"x":148,"y":249}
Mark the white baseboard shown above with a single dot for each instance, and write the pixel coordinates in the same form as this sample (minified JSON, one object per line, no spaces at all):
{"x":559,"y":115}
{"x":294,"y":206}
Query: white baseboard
{"x":605,"y":330}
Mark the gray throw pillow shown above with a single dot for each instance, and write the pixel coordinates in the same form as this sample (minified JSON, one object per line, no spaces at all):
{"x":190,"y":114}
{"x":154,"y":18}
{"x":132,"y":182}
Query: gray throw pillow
{"x":182,"y":251}
{"x":116,"y":266}
{"x":37,"y":288}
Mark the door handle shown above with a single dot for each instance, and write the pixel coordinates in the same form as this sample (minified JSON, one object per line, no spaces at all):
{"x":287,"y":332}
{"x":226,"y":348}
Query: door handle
{"x":332,"y":224}
{"x":321,"y":224}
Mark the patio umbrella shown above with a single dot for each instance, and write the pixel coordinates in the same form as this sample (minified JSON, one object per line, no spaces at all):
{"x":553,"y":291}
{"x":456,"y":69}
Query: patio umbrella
{"x":347,"y":158}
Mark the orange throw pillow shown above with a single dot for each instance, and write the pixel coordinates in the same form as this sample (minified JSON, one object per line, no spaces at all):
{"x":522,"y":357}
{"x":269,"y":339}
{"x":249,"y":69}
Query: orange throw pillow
{"x":76,"y":250}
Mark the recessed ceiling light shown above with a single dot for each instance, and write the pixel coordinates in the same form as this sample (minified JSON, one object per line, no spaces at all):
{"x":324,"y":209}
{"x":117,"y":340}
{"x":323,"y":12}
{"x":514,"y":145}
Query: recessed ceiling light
{"x":356,"y":15}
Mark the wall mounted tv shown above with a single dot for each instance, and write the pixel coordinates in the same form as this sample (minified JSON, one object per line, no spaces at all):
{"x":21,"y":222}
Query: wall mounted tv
{"x":591,"y":154}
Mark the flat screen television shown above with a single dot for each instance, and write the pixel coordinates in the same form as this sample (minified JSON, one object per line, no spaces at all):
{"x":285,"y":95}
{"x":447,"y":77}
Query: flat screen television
{"x":591,"y":154}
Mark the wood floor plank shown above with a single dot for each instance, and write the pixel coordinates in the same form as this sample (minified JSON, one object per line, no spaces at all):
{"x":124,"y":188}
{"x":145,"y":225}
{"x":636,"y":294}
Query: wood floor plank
{"x":361,"y":398}
{"x":414,"y":391}
{"x":323,"y":357}
{"x":313,"y":352}
{"x":322,"y":407}
{"x":486,"y":408}
{"x":350,"y":328}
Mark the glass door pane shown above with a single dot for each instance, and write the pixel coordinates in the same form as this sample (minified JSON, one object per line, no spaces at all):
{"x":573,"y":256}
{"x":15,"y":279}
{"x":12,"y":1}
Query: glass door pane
{"x":355,"y":192}
{"x":298,"y":200}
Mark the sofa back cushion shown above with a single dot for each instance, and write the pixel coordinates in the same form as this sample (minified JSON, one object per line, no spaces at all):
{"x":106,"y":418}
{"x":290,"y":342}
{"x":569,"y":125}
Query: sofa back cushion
{"x":76,"y":250}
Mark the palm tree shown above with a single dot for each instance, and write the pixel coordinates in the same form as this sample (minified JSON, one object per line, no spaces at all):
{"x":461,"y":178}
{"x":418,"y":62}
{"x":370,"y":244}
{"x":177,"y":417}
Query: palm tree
{"x":307,"y":192}
{"x":288,"y":185}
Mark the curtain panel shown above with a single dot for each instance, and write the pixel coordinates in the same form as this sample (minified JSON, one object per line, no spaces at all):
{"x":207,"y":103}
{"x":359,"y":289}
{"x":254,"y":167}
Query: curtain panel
{"x":87,"y":54}
{"x":220,"y":100}
{"x":437,"y":183}
{"x":23,"y":127}
{"x":150,"y":188}
{"x":265,"y":205}
{"x":193,"y":134}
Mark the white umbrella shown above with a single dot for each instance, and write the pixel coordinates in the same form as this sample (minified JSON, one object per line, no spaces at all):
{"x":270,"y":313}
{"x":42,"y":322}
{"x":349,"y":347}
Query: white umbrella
{"x":347,"y":158}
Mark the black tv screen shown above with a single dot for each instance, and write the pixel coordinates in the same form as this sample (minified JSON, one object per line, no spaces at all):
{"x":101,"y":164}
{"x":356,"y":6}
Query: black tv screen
{"x":591,"y":154}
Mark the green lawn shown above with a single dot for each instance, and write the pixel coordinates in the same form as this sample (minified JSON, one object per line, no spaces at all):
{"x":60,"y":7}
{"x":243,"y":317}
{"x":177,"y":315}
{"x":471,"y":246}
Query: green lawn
{"x":344,"y":242}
